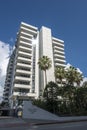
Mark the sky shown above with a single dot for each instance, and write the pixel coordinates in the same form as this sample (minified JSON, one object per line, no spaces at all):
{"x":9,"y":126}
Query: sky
{"x":66,"y":18}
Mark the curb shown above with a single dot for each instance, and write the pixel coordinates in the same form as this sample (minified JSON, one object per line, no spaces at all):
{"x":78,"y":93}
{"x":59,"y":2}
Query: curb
{"x":13,"y":125}
{"x":41,"y":123}
{"x":59,"y":122}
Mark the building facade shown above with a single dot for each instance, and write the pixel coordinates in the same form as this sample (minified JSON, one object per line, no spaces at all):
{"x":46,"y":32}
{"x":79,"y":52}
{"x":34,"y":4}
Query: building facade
{"x":27,"y":80}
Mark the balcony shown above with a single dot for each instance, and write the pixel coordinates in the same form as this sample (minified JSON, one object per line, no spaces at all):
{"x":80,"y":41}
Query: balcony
{"x":10,"y":66}
{"x":27,"y":44}
{"x":19,"y":94}
{"x":59,"y":52}
{"x":27,"y":30}
{"x":6,"y":96}
{"x":58,"y":48}
{"x":26,"y":34}
{"x":22,"y":86}
{"x":24,"y":59}
{"x":59,"y":60}
{"x":22,"y":78}
{"x":58,"y":64}
{"x":29,"y":26}
{"x":25,"y":49}
{"x":21,"y":53}
{"x":57,"y":40}
{"x":6,"y":92}
{"x":58,"y":44}
{"x":59,"y":56}
{"x":7,"y":87}
{"x":6,"y":100}
{"x":23,"y":95}
{"x":23,"y":65}
{"x":23,"y":71}
{"x":25,"y":39}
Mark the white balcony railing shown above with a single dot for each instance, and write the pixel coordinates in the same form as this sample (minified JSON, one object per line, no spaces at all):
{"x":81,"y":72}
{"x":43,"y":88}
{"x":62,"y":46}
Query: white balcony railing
{"x":22,"y":86}
{"x":23,"y":65}
{"x":23,"y":71}
{"x":26,"y":34}
{"x":58,"y":44}
{"x":25,"y":38}
{"x":58,"y":64}
{"x":22,"y":78}
{"x":22,"y":94}
{"x":25,"y":54}
{"x":59,"y":56}
{"x":59,"y":60}
{"x":59,"y":52}
{"x":59,"y":48}
{"x":25,"y":43}
{"x":32,"y":32}
{"x":25,"y":48}
{"x":24,"y":59}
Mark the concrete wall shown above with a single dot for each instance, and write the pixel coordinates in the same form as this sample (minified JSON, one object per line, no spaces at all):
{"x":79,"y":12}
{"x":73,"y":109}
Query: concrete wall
{"x":46,"y":49}
{"x":37,"y":67}
{"x":33,"y":112}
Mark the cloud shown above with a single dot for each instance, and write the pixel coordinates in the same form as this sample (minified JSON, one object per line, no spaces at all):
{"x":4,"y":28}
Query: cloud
{"x":4,"y":58}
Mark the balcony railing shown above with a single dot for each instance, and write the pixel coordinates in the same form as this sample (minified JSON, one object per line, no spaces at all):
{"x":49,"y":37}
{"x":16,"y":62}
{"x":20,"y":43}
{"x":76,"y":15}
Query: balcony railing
{"x":22,"y":78}
{"x":23,"y":65}
{"x":22,"y":86}
{"x":60,"y":64}
{"x":24,"y":59}
{"x":23,"y":71}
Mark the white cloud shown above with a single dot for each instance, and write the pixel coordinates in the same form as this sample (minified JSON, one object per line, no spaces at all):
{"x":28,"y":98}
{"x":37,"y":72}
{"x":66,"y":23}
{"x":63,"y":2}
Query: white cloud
{"x":4,"y":58}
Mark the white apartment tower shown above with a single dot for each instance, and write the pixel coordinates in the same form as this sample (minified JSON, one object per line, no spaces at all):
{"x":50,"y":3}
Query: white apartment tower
{"x":27,"y":80}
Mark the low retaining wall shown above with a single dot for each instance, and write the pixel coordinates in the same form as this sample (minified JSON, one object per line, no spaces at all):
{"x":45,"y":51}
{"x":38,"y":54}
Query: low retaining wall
{"x":33,"y":112}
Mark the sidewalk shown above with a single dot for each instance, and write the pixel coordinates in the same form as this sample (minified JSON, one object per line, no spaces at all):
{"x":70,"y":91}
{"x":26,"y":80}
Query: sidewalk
{"x":15,"y":122}
{"x":11,"y":122}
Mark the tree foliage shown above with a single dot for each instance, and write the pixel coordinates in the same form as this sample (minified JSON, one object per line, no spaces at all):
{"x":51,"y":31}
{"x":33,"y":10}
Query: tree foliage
{"x":44,"y":64}
{"x":68,"y":99}
{"x":51,"y":91}
{"x":59,"y":74}
{"x":73,"y":76}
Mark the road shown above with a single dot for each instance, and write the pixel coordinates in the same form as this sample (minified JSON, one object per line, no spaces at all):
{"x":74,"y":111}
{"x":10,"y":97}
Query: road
{"x":63,"y":126}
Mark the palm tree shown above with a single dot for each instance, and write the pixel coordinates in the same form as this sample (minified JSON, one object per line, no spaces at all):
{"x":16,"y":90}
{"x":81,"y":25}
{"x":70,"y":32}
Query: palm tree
{"x":44,"y":64}
{"x":73,"y":76}
{"x":79,"y":78}
{"x":70,"y":75}
{"x":60,"y":74}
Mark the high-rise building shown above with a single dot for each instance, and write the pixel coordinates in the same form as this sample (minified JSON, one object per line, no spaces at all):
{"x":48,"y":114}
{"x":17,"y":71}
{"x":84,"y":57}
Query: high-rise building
{"x":27,"y":80}
{"x":8,"y":79}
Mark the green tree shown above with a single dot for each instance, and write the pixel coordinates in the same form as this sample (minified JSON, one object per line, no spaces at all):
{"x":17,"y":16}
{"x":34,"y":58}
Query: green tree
{"x":59,"y":74}
{"x":81,"y":100}
{"x":44,"y":64}
{"x":73,"y":76}
{"x":51,"y":91}
{"x":78,"y":78}
{"x":51,"y":96}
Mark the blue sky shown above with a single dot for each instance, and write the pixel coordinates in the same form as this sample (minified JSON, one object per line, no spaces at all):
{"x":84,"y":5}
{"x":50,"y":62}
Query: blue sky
{"x":66,"y":18}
